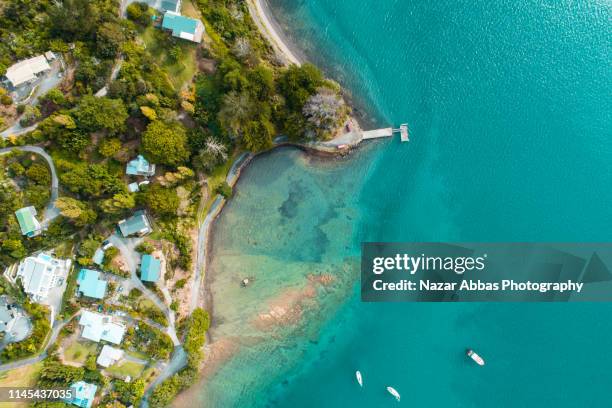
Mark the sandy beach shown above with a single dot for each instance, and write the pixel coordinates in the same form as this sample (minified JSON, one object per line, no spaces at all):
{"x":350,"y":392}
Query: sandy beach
{"x":269,"y":28}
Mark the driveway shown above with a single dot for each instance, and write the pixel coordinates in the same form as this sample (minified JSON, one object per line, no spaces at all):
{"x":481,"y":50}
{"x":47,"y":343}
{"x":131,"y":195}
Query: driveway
{"x":127,"y":247}
{"x":51,"y":211}
{"x":51,"y":80}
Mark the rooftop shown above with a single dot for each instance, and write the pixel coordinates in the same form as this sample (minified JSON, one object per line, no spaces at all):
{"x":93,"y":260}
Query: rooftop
{"x":40,"y":273}
{"x":149,"y":268}
{"x":98,"y":327}
{"x":183,"y":27}
{"x":26,"y":70}
{"x":137,"y":224}
{"x":28,"y":223}
{"x":84,"y":394}
{"x":109,"y":356}
{"x":140,"y":167}
{"x":90,"y":284}
{"x":170,"y":5}
{"x":98,"y":257}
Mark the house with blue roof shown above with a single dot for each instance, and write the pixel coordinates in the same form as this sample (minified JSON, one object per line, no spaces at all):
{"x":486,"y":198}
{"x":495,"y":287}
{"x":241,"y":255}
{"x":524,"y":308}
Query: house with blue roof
{"x":90,"y":284}
{"x":183,"y":27}
{"x":150,"y":268}
{"x":83,"y":394}
{"x":140,"y":167}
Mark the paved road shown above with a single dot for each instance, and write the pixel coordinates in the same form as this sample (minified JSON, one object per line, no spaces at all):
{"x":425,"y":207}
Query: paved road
{"x":51,"y":211}
{"x":176,"y":363}
{"x":59,"y":325}
{"x":127,"y":247}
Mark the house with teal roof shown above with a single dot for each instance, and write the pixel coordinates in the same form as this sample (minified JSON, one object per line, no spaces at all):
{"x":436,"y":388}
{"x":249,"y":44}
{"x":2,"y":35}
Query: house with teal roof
{"x":150,"y":268}
{"x":138,"y":224}
{"x":83,"y":394}
{"x":140,"y":167}
{"x":90,"y":284}
{"x":30,"y":227}
{"x":183,"y":27}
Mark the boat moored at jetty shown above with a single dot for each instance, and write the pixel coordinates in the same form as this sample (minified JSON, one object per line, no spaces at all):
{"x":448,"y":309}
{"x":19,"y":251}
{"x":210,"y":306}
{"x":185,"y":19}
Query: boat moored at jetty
{"x":472,"y":354}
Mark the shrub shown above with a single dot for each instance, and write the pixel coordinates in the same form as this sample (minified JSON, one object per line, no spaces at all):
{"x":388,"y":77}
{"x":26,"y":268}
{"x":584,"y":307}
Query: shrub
{"x":224,"y":189}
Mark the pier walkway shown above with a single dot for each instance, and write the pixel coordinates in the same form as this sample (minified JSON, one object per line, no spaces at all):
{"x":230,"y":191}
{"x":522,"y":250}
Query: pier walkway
{"x":376,"y":133}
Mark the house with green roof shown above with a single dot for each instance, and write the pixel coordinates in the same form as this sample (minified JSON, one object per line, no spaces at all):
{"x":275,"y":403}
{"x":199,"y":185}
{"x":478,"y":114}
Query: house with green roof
{"x":150,"y":268}
{"x":138,"y":224}
{"x":183,"y":27}
{"x":83,"y":394}
{"x":90,"y":284}
{"x":30,"y":227}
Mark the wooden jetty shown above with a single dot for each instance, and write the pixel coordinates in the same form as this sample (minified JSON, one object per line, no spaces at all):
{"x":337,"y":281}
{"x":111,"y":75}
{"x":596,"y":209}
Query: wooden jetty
{"x":388,"y":132}
{"x":376,"y":133}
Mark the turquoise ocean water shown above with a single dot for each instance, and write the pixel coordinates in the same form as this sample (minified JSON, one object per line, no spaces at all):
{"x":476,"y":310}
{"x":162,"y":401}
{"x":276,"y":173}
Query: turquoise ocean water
{"x":509,"y":105}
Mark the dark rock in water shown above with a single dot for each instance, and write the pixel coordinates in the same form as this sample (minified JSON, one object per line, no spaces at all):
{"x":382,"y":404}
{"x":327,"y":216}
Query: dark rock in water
{"x":285,"y":382}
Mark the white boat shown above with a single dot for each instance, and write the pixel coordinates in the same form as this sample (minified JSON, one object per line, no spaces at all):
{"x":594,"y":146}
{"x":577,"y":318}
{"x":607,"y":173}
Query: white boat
{"x":359,"y":378}
{"x":472,"y":354}
{"x":394,"y":392}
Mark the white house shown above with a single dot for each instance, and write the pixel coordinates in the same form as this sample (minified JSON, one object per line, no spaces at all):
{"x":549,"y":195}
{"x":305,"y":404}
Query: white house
{"x":109,"y":356}
{"x":42,"y":273}
{"x":27,"y":70}
{"x":98,"y":327}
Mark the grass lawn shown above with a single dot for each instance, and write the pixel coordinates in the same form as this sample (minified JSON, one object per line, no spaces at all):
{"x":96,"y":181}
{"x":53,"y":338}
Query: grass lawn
{"x":19,"y":377}
{"x":126,"y":368}
{"x":79,"y":351}
{"x":179,"y":72}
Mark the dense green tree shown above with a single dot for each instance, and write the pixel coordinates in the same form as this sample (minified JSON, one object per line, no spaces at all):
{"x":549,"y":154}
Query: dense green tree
{"x":130,"y":393}
{"x":165,"y":143}
{"x":298,"y":83}
{"x":237,"y":110}
{"x":161,"y":200}
{"x":93,"y":180}
{"x":74,"y":19}
{"x":37,"y":195}
{"x":55,"y":374}
{"x":77,"y":211}
{"x":14,"y":247}
{"x":109,"y":38}
{"x":39,"y":173}
{"x":261,"y":82}
{"x":118,"y":203}
{"x":109,"y":147}
{"x":94,"y":114}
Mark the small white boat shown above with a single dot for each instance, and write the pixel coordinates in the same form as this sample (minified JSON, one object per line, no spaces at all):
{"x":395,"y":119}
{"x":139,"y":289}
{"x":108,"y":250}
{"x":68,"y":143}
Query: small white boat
{"x":479,"y":360}
{"x":359,"y":378}
{"x":394,"y":392}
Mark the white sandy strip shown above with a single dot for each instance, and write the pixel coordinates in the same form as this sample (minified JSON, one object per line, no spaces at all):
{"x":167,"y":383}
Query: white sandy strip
{"x":260,"y":15}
